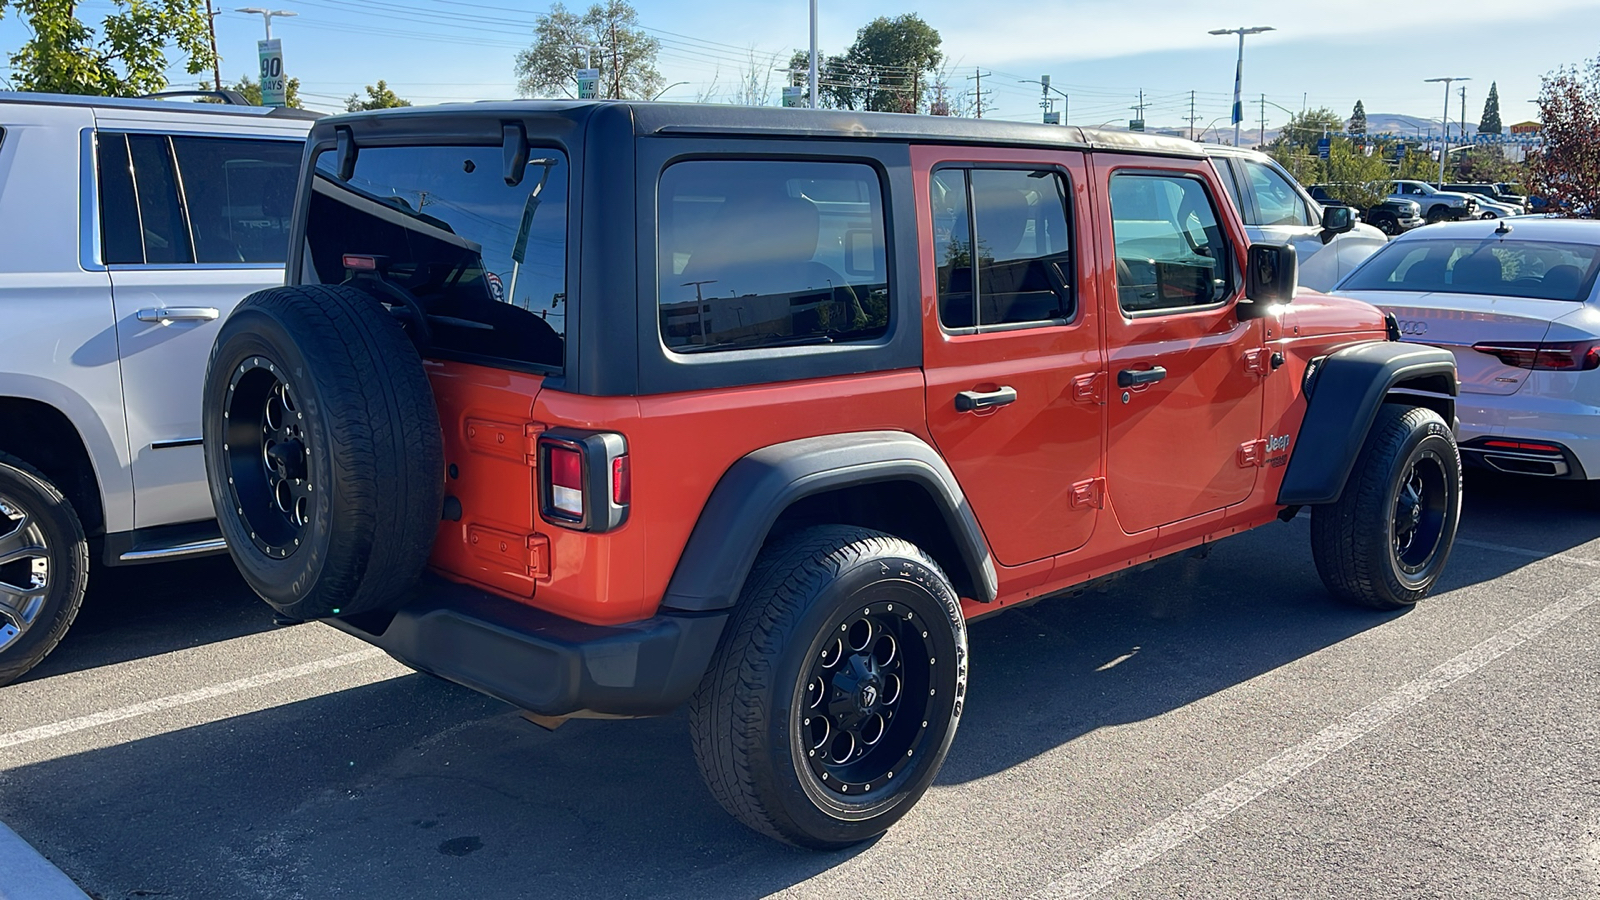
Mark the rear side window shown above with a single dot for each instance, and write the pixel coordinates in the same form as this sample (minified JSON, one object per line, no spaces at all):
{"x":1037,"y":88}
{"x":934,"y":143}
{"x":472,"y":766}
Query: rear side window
{"x":155,"y":182}
{"x":1171,"y":253}
{"x":1276,"y":201}
{"x":756,"y":253}
{"x":239,"y":195}
{"x":1002,"y":247}
{"x":486,"y":261}
{"x":120,"y":241}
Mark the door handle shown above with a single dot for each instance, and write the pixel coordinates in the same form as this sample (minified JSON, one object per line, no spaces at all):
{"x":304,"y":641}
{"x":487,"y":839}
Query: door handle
{"x":971,"y":401}
{"x":1139,"y":377}
{"x":166,"y":316}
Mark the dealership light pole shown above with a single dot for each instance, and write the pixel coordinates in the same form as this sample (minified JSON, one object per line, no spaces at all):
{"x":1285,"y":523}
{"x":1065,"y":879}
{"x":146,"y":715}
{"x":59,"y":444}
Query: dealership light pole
{"x":266,"y":15}
{"x":1444,"y":135}
{"x":1238,"y":72}
{"x":811,"y":75}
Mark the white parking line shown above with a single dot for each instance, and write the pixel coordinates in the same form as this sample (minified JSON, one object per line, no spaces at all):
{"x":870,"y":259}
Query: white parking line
{"x":1223,"y":802}
{"x":94,"y":720}
{"x":1535,"y":554}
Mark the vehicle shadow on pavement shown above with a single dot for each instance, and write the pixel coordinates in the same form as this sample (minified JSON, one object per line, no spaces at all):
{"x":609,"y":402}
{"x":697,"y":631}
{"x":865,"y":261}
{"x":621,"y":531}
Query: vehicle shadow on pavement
{"x":410,"y":787}
{"x":132,"y":612}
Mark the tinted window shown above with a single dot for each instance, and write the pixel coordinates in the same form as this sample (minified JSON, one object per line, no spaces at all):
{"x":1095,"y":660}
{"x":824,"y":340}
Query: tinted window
{"x":765,"y":254}
{"x":239,"y":195}
{"x":1229,"y":173}
{"x":1535,"y":269}
{"x":120,"y":241}
{"x":161,"y":222}
{"x":1023,"y":266}
{"x":1277,"y":202}
{"x":1171,"y":252}
{"x":487,"y":262}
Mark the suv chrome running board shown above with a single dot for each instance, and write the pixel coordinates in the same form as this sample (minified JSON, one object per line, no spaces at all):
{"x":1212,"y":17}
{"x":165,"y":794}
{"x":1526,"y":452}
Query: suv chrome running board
{"x":162,"y":543}
{"x":160,"y":553}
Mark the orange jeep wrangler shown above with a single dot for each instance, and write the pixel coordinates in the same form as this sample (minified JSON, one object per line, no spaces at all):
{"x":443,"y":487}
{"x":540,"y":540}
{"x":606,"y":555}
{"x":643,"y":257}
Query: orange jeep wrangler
{"x":599,"y":408}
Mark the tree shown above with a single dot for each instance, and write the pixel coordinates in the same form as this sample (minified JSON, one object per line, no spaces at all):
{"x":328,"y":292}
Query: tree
{"x":623,"y":52}
{"x":126,"y":59}
{"x":886,"y":69}
{"x":1305,"y":129}
{"x":379,"y":96}
{"x":1566,"y":168}
{"x":1358,"y":119}
{"x":1490,"y":123}
{"x":251,"y":90}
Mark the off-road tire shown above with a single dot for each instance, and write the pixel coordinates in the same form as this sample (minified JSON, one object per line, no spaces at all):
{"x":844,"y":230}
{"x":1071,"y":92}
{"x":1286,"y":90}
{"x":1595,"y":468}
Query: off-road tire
{"x":1353,"y":540}
{"x":370,"y":449}
{"x":1389,"y":225}
{"x":66,"y":568}
{"x":749,"y":721}
{"x":1439,"y":213}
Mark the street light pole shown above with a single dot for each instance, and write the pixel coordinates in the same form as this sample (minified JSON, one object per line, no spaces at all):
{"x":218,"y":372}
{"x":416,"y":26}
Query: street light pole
{"x":811,"y":74}
{"x":1444,"y":130}
{"x":266,"y":15}
{"x":1238,"y":72}
{"x":1066,"y":101}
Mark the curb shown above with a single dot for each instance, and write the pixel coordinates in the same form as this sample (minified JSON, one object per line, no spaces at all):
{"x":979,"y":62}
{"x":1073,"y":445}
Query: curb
{"x":25,"y":875}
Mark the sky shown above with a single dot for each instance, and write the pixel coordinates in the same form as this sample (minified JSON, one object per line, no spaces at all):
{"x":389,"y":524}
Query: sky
{"x":1101,"y":52}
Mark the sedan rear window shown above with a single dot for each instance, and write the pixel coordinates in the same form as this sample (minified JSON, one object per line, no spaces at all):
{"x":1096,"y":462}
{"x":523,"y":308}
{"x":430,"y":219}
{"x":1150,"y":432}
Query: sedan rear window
{"x":1541,"y":270}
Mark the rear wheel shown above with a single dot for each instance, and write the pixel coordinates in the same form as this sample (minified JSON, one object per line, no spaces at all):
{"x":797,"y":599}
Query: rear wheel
{"x":833,"y":699}
{"x":1384,"y":542}
{"x":44,"y":567}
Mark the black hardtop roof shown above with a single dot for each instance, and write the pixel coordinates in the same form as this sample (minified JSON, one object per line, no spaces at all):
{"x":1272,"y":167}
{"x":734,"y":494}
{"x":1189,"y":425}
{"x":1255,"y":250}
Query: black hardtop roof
{"x":770,"y":121}
{"x":130,"y":103}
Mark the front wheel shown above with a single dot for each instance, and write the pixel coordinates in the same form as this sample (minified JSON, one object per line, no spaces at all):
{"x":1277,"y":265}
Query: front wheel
{"x":1438,"y":214}
{"x":834,"y":696}
{"x":1383,"y":543}
{"x":1387,"y":225}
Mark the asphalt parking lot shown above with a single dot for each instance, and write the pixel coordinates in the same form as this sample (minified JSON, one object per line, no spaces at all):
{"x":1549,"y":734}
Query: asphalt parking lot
{"x":1205,"y":728}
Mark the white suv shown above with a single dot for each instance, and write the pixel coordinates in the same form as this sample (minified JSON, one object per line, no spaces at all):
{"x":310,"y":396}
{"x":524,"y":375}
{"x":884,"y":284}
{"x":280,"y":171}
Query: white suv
{"x":130,"y":229}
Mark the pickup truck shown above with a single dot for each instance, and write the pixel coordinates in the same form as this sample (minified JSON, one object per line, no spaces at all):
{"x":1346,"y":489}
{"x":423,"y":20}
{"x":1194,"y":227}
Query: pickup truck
{"x":1437,"y":205}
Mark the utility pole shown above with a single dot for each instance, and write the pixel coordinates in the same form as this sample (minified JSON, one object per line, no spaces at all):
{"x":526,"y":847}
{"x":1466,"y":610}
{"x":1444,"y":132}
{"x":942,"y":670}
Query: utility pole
{"x":977,"y":77}
{"x":1263,"y":121}
{"x":1192,"y":117}
{"x":216,"y":64}
{"x":1139,"y":111}
{"x":1463,"y":113}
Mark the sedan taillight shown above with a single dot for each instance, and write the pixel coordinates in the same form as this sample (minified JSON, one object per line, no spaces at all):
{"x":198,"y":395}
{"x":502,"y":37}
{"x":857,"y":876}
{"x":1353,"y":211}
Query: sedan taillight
{"x":1554,"y":356}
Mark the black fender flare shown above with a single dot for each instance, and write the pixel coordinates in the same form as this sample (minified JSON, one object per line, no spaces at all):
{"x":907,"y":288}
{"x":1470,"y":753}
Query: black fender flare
{"x":1343,"y":392}
{"x":760,"y":486}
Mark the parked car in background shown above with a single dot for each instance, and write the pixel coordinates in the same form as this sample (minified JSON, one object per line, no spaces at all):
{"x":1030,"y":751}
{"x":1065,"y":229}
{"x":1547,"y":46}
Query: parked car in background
{"x":1391,"y":216}
{"x":1489,"y":208}
{"x":1437,"y":205}
{"x":130,"y":229}
{"x":1492,"y":193}
{"x":1516,"y":302}
{"x":1330,"y":242}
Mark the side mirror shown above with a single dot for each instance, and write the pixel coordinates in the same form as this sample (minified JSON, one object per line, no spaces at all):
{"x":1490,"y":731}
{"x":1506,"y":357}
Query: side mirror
{"x":1271,"y":274}
{"x":1337,"y":220}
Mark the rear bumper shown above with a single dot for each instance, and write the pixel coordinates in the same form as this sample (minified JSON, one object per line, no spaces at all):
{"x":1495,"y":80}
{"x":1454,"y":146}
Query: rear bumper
{"x":1565,"y":422}
{"x":542,"y":662}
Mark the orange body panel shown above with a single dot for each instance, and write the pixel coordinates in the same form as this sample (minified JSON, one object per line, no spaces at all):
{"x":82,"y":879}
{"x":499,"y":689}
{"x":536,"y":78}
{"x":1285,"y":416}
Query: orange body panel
{"x":1167,"y":465}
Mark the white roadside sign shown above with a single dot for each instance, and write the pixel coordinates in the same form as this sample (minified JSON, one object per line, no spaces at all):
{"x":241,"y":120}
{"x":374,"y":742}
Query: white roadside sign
{"x":274,"y":86}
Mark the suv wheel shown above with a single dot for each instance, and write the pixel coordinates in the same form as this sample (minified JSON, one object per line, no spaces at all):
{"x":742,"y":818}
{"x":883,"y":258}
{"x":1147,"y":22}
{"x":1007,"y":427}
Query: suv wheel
{"x":44,"y":567}
{"x":832,"y":700}
{"x":1387,"y":224}
{"x":1384,"y":542}
{"x":323,"y":450}
{"x":1438,"y":214}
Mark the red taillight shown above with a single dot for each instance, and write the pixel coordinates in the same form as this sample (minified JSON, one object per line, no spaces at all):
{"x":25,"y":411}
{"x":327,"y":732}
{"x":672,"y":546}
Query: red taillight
{"x":358,"y":263}
{"x":566,"y":480}
{"x":1523,"y":445}
{"x":621,"y":482}
{"x":1558,"y":356}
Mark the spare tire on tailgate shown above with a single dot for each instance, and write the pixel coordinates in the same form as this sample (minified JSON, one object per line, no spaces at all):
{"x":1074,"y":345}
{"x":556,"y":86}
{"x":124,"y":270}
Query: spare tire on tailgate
{"x":323,"y":450}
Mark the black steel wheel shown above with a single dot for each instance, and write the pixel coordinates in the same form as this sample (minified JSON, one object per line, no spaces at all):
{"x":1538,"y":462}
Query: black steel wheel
{"x":1387,"y":538}
{"x":1388,"y":225}
{"x":835,"y":693}
{"x":268,"y":453}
